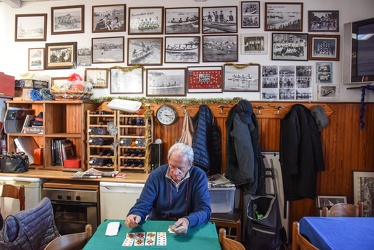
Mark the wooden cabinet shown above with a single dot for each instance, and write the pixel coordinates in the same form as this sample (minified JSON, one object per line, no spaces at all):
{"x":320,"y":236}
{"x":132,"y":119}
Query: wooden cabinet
{"x":62,"y":120}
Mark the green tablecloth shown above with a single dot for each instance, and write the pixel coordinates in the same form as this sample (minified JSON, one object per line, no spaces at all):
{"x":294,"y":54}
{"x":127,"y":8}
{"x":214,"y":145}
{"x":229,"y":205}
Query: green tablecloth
{"x":203,"y":237}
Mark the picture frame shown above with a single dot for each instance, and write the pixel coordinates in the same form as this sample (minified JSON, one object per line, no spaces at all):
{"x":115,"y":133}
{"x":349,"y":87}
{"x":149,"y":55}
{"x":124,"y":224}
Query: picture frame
{"x":220,"y":48}
{"x":328,"y":92}
{"x":127,"y":80}
{"x":145,"y":51}
{"x":109,"y":18}
{"x":58,"y":81}
{"x":166,"y":82}
{"x":241,"y":78}
{"x":330,"y":200}
{"x":98,"y":77}
{"x":289,"y":46}
{"x":108,"y":49}
{"x":283,"y":16}
{"x":146,"y":20}
{"x":67,"y":19}
{"x":324,"y":72}
{"x":84,"y":57}
{"x":60,"y":55}
{"x":30,"y":27}
{"x":182,"y":49}
{"x":205,"y":79}
{"x":182,"y":20}
{"x":222,"y":19}
{"x":250,"y":14}
{"x":323,"y":21}
{"x":36,"y":59}
{"x":324,"y":47}
{"x":363,"y":182}
{"x":254,"y":44}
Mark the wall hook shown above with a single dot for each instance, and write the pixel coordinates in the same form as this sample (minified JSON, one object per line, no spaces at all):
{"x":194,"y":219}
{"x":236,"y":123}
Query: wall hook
{"x":222,"y":107}
{"x":184,"y":108}
{"x":278,"y":109}
{"x":259,"y":107}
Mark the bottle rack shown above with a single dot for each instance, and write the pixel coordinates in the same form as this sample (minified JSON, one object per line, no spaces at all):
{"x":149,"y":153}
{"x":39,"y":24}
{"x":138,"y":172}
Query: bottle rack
{"x":101,"y":139}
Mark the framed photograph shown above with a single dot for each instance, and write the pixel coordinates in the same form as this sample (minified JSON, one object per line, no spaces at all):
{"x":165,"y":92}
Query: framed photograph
{"x":98,"y":77}
{"x":220,"y":19}
{"x":146,"y":20}
{"x":36,"y":59}
{"x":67,"y":19}
{"x":363,"y":183}
{"x":166,"y":82}
{"x":128,"y":80}
{"x":323,"y":21}
{"x":182,"y":49}
{"x":284,"y":17}
{"x":329,"y":201}
{"x":290,"y":46}
{"x":324,"y":47}
{"x":84,"y":56}
{"x":108,"y":18}
{"x":60,"y":55}
{"x":182,"y":20}
{"x":220,"y":48}
{"x":32,"y":27}
{"x":144,"y":51}
{"x":250,"y":14}
{"x":58,"y":81}
{"x":328,"y":92}
{"x":108,"y":49}
{"x":204,"y":79}
{"x":241,"y":78}
{"x":324,"y":72}
{"x":254,"y":44}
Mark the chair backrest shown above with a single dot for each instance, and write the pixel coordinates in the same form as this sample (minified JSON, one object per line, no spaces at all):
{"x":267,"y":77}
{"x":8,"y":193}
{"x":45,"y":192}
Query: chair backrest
{"x":344,"y":210}
{"x":71,"y":241}
{"x":298,"y":241}
{"x":11,"y":191}
{"x":229,"y":244}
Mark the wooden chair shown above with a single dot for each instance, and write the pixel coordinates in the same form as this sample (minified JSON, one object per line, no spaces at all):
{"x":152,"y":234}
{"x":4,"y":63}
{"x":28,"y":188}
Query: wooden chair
{"x":14,"y":192}
{"x":344,"y":210}
{"x":229,"y":244}
{"x":71,"y":241}
{"x":298,"y":241}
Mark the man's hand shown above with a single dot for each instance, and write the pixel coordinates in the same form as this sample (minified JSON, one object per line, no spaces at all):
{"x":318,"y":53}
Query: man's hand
{"x":181,"y":226}
{"x":132,"y":221}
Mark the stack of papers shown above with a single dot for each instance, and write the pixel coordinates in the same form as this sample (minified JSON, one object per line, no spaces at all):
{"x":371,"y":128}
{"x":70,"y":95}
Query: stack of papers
{"x":218,"y":180}
{"x":112,"y":228}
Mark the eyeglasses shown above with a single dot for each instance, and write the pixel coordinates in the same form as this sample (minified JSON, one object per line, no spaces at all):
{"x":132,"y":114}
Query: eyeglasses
{"x":171,"y":200}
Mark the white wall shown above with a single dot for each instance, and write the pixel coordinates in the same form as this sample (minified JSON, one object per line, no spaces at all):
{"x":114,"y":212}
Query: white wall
{"x":14,"y":55}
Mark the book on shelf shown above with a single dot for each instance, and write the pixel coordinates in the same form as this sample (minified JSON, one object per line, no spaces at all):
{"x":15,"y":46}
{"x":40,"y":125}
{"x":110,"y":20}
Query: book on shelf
{"x":27,"y":122}
{"x":62,"y":149}
{"x":27,"y":144}
{"x":33,"y":130}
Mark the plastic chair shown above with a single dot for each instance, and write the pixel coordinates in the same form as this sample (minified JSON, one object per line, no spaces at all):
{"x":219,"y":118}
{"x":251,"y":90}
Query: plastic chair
{"x":229,"y":244}
{"x":298,"y":241}
{"x":14,"y":192}
{"x":344,"y":210}
{"x":71,"y":241}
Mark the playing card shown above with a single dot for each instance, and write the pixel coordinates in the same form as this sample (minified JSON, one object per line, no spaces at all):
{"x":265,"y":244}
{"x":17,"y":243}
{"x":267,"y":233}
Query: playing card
{"x":128,"y":242}
{"x":150,"y":239}
{"x":161,"y":239}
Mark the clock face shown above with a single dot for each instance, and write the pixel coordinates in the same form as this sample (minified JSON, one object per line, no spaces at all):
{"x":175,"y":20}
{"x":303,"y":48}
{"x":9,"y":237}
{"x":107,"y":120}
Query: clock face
{"x":166,"y":114}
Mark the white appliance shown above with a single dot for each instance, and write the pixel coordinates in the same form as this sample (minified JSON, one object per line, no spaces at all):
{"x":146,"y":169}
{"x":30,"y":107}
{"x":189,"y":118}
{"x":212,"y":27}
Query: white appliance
{"x":32,"y":193}
{"x":117,"y":198}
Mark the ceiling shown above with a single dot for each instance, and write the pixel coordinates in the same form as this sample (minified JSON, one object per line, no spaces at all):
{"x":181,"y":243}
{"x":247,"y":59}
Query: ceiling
{"x":18,"y":3}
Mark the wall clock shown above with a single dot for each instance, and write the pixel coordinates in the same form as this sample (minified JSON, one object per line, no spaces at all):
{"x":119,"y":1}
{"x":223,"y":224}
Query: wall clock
{"x":166,"y":114}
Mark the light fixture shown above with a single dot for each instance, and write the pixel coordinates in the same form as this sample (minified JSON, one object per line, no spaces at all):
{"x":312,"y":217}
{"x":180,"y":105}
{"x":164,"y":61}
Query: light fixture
{"x":200,"y":0}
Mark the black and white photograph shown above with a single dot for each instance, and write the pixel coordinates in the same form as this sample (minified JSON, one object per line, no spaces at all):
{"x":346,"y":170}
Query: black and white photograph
{"x":254,"y":44}
{"x":269,"y":82}
{"x":290,"y":46}
{"x":220,"y":19}
{"x":147,"y":20}
{"x":84,"y":57}
{"x":304,"y":90}
{"x":220,"y":48}
{"x":107,"y":49}
{"x":324,"y":47}
{"x":108,"y":18}
{"x":67,"y":19}
{"x":328,"y":92}
{"x":166,"y":82}
{"x":241,"y":78}
{"x":60,"y":55}
{"x":284,"y":17}
{"x":182,"y":49}
{"x":98,"y":77}
{"x":324,"y":72}
{"x":144,"y":51}
{"x":36,"y":59}
{"x":363,"y":190}
{"x":31,"y":27}
{"x":250,"y":14}
{"x":287,"y":84}
{"x":182,"y":20}
{"x":329,"y":201}
{"x":323,"y":21}
{"x":128,"y":80}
